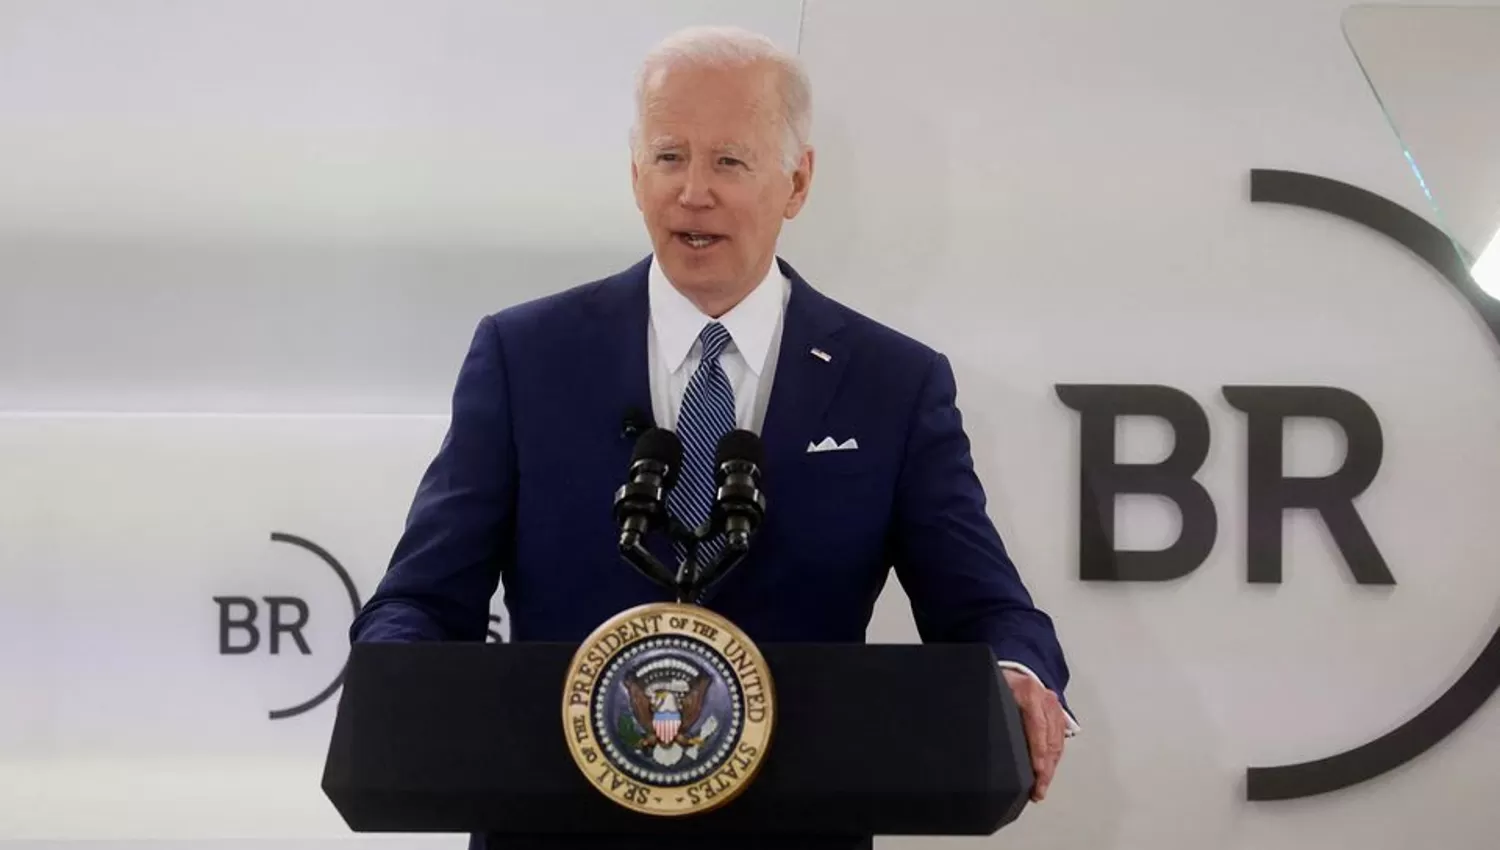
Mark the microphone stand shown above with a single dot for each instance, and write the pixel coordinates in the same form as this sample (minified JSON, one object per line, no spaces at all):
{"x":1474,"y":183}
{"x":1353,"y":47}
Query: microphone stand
{"x":638,"y":556}
{"x":693,"y":578}
{"x":688,"y":571}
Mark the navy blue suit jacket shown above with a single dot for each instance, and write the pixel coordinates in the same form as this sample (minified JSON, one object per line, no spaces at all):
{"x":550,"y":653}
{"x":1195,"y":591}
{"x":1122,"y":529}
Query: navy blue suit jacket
{"x":522,"y":488}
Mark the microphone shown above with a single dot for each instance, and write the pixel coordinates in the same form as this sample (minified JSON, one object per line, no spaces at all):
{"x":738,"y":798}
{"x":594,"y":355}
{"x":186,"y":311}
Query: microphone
{"x":740,"y":505}
{"x":640,"y":504}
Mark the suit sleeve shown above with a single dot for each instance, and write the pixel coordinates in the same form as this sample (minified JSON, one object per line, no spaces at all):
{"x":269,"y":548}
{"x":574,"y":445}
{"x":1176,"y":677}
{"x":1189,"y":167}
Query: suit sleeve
{"x":447,"y":563}
{"x":948,"y":555}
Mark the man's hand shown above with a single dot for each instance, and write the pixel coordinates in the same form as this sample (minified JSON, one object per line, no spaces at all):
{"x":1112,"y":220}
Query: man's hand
{"x":1042,"y":717}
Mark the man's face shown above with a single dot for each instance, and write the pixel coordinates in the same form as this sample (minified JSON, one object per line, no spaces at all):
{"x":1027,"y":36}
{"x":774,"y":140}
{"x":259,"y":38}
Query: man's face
{"x":708,"y":177}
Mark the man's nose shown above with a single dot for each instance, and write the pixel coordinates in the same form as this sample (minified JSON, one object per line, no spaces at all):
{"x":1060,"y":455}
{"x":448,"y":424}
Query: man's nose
{"x":697,"y":187}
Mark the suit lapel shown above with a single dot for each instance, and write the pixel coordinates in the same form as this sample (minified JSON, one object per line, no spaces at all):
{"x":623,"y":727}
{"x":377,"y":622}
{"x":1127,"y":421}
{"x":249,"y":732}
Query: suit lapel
{"x":621,"y":325}
{"x":804,"y":383}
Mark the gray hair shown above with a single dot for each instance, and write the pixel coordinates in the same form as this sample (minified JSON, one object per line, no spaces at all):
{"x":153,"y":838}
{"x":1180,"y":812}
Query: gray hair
{"x":732,"y":47}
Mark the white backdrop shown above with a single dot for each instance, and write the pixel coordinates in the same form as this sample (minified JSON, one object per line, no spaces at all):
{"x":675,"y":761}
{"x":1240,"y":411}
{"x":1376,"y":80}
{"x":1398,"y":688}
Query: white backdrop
{"x":243,"y":245}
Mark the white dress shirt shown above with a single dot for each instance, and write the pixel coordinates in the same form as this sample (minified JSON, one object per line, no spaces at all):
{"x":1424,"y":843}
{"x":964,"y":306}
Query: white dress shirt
{"x":754,"y":327}
{"x":749,"y":360}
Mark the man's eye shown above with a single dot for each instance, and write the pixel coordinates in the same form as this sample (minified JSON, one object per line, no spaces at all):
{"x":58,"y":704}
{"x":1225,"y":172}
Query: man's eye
{"x":731,"y":161}
{"x":666,"y":157}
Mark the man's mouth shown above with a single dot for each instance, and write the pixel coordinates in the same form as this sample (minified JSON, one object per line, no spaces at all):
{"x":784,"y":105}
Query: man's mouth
{"x":697,"y":239}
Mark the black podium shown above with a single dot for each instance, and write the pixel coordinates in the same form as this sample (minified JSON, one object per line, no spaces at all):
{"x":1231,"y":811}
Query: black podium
{"x":869,"y":740}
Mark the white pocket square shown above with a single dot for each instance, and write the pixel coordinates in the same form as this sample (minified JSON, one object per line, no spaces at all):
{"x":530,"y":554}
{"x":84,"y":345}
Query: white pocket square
{"x":828,"y":445}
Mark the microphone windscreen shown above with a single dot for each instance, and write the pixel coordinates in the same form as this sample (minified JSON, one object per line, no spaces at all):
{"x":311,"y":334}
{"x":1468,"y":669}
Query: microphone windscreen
{"x":739,"y":445}
{"x":662,"y":446}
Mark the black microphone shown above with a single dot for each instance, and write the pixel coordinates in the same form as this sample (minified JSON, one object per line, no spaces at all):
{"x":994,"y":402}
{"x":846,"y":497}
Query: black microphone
{"x":640,"y":504}
{"x":740,"y":505}
{"x":635,"y":423}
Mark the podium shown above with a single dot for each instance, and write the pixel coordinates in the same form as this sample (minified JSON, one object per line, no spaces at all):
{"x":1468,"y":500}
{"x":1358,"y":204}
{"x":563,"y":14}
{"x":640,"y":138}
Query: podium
{"x":869,"y":740}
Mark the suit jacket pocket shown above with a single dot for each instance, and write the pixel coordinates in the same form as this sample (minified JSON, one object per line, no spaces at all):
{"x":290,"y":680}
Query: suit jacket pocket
{"x":845,"y":462}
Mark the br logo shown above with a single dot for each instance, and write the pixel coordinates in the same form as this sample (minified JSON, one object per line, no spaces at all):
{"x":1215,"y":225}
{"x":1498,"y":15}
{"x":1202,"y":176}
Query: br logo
{"x":243,"y":630}
{"x":1271,"y":492}
{"x":240,"y":615}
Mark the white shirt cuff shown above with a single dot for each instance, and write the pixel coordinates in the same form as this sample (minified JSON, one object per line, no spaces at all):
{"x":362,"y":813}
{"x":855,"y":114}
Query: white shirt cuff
{"x":1073,"y":728}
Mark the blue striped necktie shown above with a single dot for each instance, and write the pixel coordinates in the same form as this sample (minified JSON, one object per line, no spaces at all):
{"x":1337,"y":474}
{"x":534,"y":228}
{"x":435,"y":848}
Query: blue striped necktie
{"x":707,"y":415}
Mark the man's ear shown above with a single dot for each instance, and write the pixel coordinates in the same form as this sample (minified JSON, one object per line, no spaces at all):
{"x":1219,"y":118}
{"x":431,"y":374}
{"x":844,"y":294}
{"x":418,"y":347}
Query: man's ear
{"x":801,"y":183}
{"x":635,"y":181}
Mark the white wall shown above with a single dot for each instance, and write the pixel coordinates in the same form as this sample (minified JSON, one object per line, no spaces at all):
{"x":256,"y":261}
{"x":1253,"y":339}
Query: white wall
{"x":290,"y":216}
{"x":315,"y":199}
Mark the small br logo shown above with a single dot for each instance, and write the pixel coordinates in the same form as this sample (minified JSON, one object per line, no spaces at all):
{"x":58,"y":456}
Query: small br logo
{"x":668,"y":709}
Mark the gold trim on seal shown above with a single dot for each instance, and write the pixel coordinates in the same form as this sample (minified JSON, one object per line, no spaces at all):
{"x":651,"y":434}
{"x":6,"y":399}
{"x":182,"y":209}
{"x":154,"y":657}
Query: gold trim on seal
{"x":739,"y":657}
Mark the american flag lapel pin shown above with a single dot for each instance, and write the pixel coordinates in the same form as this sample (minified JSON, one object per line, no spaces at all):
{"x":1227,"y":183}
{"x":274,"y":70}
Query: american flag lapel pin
{"x":822,"y":355}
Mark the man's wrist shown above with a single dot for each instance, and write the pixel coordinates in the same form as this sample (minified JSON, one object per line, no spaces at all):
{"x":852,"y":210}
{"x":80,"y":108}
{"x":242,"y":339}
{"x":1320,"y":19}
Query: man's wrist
{"x":1073,"y":727}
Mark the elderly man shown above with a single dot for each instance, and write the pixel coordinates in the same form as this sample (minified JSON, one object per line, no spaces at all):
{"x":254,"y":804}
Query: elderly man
{"x":713,"y":331}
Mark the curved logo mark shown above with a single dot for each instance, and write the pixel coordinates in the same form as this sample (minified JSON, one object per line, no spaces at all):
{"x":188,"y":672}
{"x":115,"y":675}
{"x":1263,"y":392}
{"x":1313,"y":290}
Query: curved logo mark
{"x":1469,"y":692}
{"x":343,"y":576}
{"x":274,"y":624}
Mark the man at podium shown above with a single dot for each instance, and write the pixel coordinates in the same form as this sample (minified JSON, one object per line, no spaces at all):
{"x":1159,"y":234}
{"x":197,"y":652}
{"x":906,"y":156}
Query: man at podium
{"x":867,"y":467}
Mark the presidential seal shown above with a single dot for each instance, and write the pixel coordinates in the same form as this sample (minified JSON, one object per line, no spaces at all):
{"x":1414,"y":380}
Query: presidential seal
{"x":668,"y":709}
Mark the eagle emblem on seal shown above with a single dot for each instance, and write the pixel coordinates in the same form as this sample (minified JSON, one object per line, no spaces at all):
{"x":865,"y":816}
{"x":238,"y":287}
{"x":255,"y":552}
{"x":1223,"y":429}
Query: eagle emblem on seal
{"x":665,"y":719}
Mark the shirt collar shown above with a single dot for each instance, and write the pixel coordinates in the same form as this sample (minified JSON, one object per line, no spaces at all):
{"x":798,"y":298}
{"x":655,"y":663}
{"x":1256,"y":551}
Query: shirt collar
{"x":676,"y":321}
